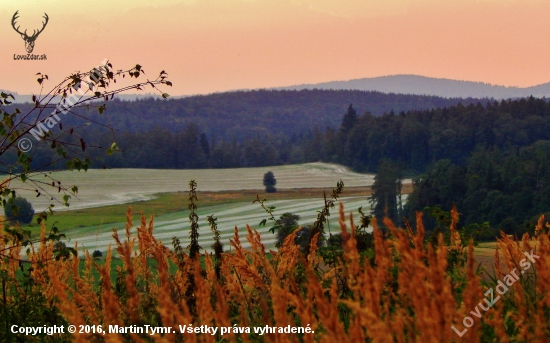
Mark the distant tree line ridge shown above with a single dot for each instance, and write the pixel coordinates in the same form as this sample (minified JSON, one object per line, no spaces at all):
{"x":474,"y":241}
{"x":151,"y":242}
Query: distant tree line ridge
{"x":243,"y":114}
{"x":417,"y":139}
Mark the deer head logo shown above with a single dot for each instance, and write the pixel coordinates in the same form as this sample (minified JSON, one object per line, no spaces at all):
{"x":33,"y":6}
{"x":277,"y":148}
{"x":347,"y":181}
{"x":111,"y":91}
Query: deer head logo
{"x":29,"y":40}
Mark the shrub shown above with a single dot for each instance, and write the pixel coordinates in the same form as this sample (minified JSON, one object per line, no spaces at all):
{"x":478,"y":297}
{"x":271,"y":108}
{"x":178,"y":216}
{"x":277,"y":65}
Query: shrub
{"x":19,"y":210}
{"x":510,"y":227}
{"x":286,"y":224}
{"x":270,"y":182}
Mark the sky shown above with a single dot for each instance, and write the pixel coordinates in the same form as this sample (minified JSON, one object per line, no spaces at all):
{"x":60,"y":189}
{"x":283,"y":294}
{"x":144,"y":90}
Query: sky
{"x":218,"y":45}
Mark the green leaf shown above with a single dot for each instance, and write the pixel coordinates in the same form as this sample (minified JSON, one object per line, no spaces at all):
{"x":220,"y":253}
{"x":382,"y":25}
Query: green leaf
{"x":112,"y":149}
{"x":61,"y":152}
{"x":165,"y":95}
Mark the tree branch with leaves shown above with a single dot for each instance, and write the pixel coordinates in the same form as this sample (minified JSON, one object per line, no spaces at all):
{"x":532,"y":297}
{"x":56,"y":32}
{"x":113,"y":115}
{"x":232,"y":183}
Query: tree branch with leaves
{"x":80,"y":90}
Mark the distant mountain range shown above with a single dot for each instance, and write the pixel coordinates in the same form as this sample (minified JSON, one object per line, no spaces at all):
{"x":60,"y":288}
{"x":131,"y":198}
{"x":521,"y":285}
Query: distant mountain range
{"x":398,"y":84}
{"x":23,"y":98}
{"x":421,"y":85}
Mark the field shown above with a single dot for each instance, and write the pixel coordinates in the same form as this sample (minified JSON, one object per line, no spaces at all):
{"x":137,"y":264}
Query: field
{"x":100,"y":187}
{"x":104,"y":196}
{"x":229,"y":215}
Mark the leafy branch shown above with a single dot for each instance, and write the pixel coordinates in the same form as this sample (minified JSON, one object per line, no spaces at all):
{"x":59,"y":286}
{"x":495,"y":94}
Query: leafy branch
{"x":322,"y":217}
{"x":79,"y":90}
{"x":269,"y":210}
{"x":194,"y":247}
{"x":218,"y":245}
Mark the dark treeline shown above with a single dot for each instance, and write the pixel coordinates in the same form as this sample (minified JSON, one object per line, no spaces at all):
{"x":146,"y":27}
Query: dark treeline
{"x":491,"y":161}
{"x":191,"y":149}
{"x":161,"y":148}
{"x":243,"y":114}
{"x":417,"y":139}
{"x":508,"y":188}
{"x":233,"y":129}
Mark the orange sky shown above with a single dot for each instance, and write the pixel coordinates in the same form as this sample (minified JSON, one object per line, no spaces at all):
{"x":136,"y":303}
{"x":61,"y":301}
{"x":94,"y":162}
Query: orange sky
{"x":217,"y":45}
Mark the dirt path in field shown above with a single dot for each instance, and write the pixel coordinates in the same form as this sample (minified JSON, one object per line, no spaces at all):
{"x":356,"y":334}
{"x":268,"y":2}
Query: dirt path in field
{"x":294,"y":193}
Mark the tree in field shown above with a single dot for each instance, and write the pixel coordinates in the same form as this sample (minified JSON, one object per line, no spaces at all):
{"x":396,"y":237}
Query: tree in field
{"x":19,"y":210}
{"x":386,"y":191}
{"x":270,"y":182}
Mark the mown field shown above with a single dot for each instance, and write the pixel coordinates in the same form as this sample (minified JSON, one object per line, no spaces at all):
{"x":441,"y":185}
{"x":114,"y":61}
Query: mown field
{"x":92,"y":228}
{"x":229,"y":215}
{"x":100,"y":187}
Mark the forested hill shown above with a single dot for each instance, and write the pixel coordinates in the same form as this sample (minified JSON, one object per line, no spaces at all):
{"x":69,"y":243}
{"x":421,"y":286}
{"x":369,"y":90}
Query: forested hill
{"x":245,"y":113}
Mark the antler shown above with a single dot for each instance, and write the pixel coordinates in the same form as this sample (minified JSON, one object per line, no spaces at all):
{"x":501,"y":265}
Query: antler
{"x":13,"y":19}
{"x":34,"y":35}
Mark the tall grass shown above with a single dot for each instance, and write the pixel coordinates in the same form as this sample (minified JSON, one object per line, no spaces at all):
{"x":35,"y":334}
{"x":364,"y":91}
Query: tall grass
{"x":406,"y":290}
